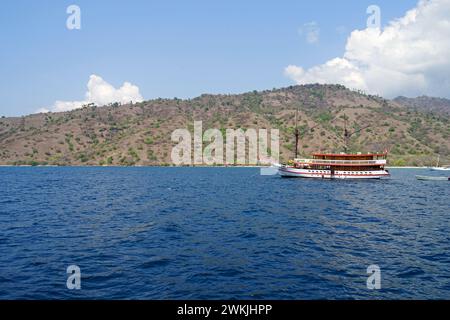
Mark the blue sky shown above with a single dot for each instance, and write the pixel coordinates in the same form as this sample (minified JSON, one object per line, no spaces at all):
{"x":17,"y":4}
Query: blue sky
{"x":166,"y":48}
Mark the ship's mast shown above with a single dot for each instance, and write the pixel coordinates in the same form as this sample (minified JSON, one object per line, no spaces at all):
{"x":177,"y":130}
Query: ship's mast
{"x":348,"y":134}
{"x":297,"y":134}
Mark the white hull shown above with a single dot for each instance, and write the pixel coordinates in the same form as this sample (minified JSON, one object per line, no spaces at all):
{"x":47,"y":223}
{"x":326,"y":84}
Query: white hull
{"x":440,"y":169}
{"x":291,"y":172}
{"x":426,"y":178}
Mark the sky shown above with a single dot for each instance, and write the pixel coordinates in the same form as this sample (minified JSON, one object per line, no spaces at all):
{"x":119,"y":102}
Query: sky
{"x":135,"y":50}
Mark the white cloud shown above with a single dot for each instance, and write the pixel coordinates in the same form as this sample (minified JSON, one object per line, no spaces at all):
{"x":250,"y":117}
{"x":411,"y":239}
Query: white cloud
{"x":411,"y":56}
{"x":99,"y":93}
{"x":311,"y":31}
{"x":42,"y":110}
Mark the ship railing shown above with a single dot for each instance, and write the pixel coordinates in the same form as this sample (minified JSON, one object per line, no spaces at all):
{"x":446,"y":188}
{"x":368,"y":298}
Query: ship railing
{"x":350,"y":162}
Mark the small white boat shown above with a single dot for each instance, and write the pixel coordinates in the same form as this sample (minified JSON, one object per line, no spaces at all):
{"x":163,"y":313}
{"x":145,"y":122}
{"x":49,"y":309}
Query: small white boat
{"x":440,"y":168}
{"x":427,"y":178}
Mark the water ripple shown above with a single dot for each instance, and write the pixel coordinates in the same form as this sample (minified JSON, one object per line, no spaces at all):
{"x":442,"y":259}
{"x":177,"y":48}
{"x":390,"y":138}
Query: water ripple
{"x":219,"y":233}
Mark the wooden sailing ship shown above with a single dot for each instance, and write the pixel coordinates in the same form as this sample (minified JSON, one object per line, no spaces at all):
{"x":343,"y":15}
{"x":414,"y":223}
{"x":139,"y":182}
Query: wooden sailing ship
{"x":343,"y":165}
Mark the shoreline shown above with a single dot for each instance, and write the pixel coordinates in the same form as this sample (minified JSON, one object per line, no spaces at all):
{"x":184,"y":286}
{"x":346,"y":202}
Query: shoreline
{"x":406,"y":167}
{"x":161,"y":166}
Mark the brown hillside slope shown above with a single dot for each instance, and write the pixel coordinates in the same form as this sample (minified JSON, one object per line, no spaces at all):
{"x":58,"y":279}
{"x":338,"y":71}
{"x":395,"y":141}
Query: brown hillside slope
{"x":427,"y":104}
{"x":140,"y":134}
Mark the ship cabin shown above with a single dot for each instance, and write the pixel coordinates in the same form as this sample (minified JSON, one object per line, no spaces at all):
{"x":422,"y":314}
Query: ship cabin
{"x":343,"y":162}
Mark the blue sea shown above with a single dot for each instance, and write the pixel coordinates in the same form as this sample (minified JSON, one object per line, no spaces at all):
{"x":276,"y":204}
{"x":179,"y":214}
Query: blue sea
{"x":220,"y":233}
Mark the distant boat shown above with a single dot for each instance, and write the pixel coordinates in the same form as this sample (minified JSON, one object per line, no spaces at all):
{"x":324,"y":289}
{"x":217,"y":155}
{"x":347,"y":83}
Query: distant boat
{"x":439,"y":168}
{"x":446,"y":168}
{"x":427,"y":178}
